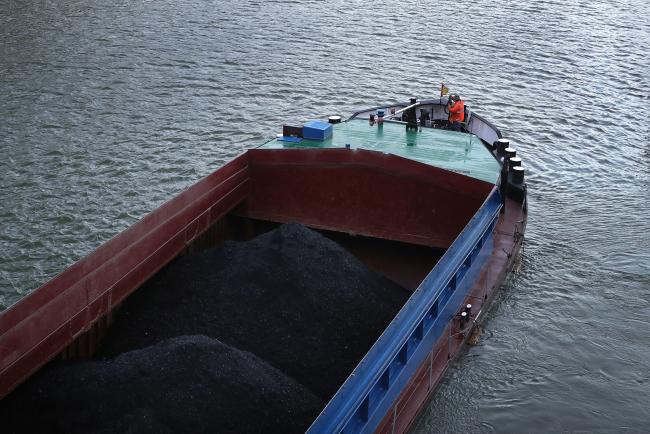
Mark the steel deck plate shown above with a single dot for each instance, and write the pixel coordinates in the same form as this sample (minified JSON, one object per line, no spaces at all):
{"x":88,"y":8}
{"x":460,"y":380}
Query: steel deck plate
{"x":459,"y":152}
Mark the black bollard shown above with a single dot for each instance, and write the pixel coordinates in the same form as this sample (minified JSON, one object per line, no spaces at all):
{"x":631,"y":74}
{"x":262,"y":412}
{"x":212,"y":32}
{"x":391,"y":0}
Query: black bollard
{"x":514,"y":162}
{"x":501,"y":146}
{"x":518,"y":175}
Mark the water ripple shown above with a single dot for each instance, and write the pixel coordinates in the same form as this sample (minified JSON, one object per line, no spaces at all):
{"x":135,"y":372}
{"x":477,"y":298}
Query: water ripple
{"x":109,"y":109}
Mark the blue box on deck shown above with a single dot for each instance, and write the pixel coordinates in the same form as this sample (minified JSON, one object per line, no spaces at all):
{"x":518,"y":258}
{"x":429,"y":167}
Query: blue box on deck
{"x":317,"y":130}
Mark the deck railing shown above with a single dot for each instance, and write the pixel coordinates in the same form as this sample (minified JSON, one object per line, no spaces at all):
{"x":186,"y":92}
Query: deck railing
{"x":369,"y":392}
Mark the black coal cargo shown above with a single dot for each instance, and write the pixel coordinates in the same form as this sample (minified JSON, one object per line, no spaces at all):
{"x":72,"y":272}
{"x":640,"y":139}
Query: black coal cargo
{"x":252,"y":336}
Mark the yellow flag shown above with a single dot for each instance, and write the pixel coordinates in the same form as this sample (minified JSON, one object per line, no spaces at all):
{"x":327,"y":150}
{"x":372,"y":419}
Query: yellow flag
{"x":444,"y":90}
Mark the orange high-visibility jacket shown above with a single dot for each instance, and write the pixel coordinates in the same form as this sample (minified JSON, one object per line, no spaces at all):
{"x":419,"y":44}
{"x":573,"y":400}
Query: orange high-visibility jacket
{"x":457,"y":112}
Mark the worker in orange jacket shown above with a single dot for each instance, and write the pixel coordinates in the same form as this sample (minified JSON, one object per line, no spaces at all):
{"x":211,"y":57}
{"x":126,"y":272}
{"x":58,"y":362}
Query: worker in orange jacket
{"x":456,"y":108}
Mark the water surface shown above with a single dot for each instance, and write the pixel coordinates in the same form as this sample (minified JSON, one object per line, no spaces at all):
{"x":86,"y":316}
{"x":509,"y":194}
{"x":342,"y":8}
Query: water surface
{"x":110,"y":108}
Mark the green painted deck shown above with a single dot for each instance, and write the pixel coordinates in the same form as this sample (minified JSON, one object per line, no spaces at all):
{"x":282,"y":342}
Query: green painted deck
{"x":458,"y":152}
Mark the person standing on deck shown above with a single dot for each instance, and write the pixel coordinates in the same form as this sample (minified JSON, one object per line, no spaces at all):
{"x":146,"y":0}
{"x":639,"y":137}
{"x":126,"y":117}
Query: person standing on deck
{"x":456,"y":108}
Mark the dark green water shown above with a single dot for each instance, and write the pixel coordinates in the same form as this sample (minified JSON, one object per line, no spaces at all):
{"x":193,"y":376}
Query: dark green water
{"x":107,"y":109}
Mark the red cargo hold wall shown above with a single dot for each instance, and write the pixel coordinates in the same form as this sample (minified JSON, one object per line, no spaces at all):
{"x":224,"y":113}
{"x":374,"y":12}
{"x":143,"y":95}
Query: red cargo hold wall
{"x":364,"y":192}
{"x":42,"y":324}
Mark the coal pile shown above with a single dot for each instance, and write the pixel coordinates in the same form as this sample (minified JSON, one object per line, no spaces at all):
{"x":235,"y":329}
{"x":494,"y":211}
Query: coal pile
{"x":189,"y":384}
{"x":291,"y":296}
{"x":251,"y":336}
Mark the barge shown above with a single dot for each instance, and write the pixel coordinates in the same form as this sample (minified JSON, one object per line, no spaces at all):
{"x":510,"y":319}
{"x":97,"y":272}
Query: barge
{"x":390,"y":184}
